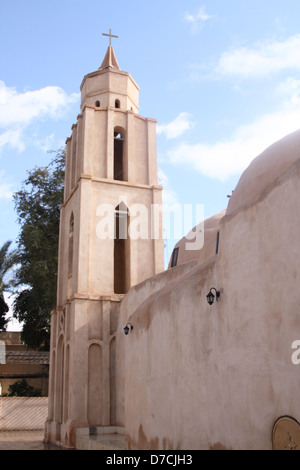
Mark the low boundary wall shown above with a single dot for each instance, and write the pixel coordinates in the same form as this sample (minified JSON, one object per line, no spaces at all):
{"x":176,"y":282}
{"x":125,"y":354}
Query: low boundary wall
{"x":20,"y":413}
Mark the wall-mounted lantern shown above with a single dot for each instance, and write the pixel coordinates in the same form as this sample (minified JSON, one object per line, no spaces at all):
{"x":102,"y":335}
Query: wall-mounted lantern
{"x":127,"y":328}
{"x":211,"y":297}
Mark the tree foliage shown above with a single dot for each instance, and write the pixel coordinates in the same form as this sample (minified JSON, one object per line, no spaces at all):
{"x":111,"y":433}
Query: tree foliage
{"x":8,"y":260}
{"x":21,"y":388}
{"x":38,"y":207}
{"x":3,"y":311}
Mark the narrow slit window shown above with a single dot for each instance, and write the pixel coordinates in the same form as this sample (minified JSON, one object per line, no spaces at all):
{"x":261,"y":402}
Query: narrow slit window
{"x":218,"y":243}
{"x":174,"y":257}
{"x":118,"y":156}
{"x":71,"y":245}
{"x":121,"y":249}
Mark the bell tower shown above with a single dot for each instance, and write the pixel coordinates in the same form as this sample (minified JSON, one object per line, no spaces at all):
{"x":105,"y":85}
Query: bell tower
{"x":110,"y":239}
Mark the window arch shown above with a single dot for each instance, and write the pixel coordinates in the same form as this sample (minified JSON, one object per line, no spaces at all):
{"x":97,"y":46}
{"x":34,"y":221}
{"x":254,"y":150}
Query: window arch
{"x":117,"y":104}
{"x":97,"y":104}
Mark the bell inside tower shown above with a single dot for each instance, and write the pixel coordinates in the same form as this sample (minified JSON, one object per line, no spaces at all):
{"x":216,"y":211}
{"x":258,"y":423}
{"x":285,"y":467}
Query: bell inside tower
{"x":119,"y":156}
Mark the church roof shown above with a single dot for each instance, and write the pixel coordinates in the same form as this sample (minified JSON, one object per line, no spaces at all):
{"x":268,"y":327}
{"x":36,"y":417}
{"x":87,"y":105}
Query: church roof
{"x":264,"y":171}
{"x":110,"y":60}
{"x":27,"y":357}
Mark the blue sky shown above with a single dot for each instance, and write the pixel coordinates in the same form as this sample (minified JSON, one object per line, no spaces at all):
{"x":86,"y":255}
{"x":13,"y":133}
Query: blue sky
{"x":222,"y":78}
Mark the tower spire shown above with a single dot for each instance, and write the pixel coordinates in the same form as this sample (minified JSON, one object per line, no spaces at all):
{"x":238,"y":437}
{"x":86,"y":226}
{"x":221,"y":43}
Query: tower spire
{"x":110,"y":60}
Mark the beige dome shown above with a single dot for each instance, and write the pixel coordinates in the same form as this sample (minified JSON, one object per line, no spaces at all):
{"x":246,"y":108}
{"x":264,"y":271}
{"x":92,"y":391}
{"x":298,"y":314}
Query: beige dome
{"x":211,"y":228}
{"x":264,"y":170}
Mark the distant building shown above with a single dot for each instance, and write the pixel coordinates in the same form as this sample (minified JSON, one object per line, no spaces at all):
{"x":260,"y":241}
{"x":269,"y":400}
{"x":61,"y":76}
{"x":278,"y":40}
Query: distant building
{"x":22,"y":363}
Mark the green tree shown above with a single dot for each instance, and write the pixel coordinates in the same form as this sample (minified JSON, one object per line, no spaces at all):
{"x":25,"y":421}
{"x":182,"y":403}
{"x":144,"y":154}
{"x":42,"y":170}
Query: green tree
{"x":38,"y":207}
{"x":8,"y":260}
{"x":21,"y":388}
{"x":3,"y":311}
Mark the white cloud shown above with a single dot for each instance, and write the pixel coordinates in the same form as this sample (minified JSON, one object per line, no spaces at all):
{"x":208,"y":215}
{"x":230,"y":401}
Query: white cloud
{"x":169,"y":196}
{"x":13,"y":324}
{"x":22,"y":108}
{"x":261,"y":60}
{"x":177,"y":127}
{"x":13,"y":138}
{"x":46,"y":143}
{"x":19,"y":110}
{"x":6,"y":190}
{"x":201,"y":16}
{"x":289,"y":89}
{"x":230,"y":157}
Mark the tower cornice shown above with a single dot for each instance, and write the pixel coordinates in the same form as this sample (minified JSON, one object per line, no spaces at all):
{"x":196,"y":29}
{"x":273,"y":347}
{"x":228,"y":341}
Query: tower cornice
{"x":108,"y":71}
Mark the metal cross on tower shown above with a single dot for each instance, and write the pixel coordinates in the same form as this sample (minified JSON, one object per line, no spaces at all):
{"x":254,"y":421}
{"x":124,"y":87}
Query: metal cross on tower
{"x":110,"y":36}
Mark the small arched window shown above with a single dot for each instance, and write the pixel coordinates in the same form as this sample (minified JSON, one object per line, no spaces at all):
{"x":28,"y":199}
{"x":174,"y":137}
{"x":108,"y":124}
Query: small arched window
{"x":117,"y":104}
{"x":97,"y":104}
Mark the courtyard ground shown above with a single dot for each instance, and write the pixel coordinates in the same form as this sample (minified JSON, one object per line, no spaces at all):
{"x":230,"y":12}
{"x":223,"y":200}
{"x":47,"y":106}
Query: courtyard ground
{"x":24,"y":440}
